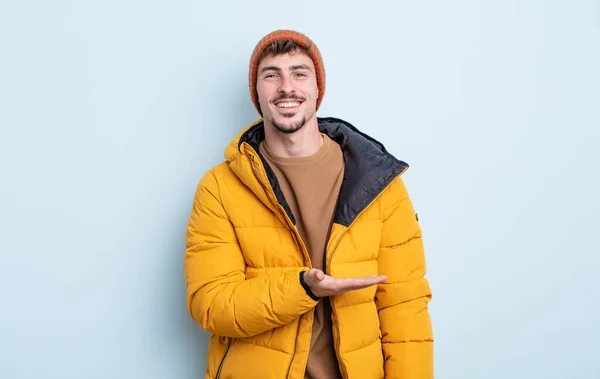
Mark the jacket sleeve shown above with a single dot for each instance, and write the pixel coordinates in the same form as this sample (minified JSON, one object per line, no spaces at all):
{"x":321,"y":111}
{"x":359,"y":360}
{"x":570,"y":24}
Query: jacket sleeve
{"x":403,"y":300}
{"x":219,"y":297}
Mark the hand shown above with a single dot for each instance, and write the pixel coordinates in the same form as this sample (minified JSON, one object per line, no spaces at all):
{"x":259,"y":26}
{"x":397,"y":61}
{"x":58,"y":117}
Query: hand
{"x":322,"y":285}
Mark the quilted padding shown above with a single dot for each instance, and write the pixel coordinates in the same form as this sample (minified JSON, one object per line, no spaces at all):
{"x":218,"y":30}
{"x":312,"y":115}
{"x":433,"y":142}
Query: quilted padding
{"x":244,"y":256}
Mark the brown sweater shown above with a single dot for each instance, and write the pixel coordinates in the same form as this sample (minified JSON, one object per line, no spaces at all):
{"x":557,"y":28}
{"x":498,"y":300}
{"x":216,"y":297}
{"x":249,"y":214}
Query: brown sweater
{"x":311,"y":186}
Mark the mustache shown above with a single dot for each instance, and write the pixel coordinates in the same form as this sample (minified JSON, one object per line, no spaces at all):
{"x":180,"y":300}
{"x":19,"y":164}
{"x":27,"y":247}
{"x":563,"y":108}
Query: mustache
{"x":287,"y":97}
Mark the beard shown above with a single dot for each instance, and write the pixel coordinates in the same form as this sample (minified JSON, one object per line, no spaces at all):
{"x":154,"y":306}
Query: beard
{"x":289,"y":127}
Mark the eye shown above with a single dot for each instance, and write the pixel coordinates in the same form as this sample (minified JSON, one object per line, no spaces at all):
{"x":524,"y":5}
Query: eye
{"x":270,"y":76}
{"x":300,"y":74}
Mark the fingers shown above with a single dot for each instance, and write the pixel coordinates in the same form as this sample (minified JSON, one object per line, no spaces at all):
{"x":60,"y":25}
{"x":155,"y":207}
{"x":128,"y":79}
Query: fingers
{"x":348,"y":284}
{"x":322,"y":285}
{"x":366,"y":280}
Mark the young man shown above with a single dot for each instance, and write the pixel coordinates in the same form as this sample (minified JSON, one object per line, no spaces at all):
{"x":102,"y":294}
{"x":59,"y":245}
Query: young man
{"x":304,"y":255}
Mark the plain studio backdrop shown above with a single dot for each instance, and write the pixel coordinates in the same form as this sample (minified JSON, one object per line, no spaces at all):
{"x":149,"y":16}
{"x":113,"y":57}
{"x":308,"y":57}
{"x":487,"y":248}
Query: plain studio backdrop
{"x":111,"y":112}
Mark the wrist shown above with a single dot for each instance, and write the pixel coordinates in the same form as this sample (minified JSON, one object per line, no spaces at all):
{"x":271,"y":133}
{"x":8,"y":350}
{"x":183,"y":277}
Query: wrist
{"x":307,"y":288}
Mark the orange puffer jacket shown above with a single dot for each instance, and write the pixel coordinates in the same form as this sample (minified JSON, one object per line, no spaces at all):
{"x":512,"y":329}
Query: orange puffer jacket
{"x":244,"y":257}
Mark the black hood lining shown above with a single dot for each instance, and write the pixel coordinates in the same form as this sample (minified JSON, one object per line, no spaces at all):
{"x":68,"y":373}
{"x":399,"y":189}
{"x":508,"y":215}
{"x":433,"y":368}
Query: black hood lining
{"x":369,"y":167}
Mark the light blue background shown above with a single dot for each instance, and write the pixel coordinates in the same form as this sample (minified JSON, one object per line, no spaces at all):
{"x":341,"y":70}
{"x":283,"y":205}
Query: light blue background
{"x":111,"y":111}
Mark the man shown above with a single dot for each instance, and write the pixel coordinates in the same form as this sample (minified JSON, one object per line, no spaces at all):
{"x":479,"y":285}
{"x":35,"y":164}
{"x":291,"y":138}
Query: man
{"x":304,"y":256}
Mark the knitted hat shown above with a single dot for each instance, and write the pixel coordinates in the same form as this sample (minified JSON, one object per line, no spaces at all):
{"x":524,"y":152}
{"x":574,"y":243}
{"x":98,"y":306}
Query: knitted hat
{"x":298,"y":38}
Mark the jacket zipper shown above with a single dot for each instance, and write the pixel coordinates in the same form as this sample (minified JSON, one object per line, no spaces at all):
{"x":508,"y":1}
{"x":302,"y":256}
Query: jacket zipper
{"x":287,"y":375}
{"x":223,"y":359}
{"x":328,"y":271}
{"x":262,"y":175}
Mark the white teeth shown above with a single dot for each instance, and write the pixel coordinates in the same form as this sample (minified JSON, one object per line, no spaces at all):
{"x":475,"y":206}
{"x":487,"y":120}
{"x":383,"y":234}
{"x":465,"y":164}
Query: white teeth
{"x":287,"y":105}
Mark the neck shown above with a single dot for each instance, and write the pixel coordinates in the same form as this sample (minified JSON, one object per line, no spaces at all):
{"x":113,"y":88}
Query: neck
{"x":302,"y":143}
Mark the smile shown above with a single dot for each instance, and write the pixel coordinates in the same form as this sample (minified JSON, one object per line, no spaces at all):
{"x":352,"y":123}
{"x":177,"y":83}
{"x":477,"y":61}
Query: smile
{"x":289,"y":104}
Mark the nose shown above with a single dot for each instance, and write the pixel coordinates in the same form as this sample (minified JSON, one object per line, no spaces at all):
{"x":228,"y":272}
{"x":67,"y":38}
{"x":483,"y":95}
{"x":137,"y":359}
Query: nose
{"x":286,"y":85}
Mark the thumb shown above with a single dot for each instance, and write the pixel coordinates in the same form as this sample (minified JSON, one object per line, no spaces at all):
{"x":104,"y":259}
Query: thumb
{"x":320,"y":275}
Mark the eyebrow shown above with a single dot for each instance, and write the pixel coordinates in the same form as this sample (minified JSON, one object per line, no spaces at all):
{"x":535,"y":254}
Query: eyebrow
{"x":299,"y":67}
{"x":292,"y":68}
{"x":270,"y":68}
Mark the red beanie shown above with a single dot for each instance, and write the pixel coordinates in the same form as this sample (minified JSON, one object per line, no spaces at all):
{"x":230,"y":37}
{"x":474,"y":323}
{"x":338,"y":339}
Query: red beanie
{"x":286,"y":35}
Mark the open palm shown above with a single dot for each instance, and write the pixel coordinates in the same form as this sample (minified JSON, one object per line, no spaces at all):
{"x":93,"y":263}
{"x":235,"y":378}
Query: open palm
{"x":323,"y":285}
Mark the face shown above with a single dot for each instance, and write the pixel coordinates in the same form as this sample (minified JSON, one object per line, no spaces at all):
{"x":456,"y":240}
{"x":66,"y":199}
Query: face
{"x":287,"y":90}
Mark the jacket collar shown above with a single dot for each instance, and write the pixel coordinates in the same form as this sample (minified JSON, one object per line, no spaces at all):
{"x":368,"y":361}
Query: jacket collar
{"x":369,"y":167}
